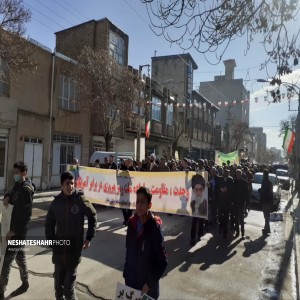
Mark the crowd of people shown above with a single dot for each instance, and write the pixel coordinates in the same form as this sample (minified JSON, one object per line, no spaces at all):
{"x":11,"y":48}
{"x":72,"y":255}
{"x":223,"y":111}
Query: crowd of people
{"x":229,"y":188}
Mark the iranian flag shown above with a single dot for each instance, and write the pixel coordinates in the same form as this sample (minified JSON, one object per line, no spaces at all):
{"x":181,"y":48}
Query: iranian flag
{"x":289,"y":140}
{"x":148,"y":128}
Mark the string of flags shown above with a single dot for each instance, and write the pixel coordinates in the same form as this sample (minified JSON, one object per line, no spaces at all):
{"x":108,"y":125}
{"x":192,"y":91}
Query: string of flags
{"x":201,"y":105}
{"x":221,"y":103}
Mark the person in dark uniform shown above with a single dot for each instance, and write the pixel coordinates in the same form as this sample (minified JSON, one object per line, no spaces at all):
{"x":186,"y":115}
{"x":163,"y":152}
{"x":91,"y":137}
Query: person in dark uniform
{"x":224,"y":199}
{"x":240,"y":200}
{"x":266,"y":198}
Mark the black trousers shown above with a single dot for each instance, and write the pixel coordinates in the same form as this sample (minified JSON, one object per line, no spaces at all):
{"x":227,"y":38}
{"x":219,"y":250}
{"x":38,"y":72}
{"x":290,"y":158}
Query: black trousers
{"x":266,"y":208}
{"x":127,"y":213}
{"x":239,"y":221}
{"x":200,"y":223}
{"x":65,"y":281}
{"x":223,"y":219}
{"x":13,"y":253}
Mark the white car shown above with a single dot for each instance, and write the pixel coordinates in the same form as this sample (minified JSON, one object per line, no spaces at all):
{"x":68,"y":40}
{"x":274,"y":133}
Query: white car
{"x":284,"y":178}
{"x":256,"y":184}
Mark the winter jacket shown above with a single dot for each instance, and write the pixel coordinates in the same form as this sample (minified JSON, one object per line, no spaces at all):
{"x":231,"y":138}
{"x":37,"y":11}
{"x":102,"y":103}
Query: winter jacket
{"x":146,"y":258}
{"x":224,"y":199}
{"x":21,"y":197}
{"x":65,"y":221}
{"x":241,"y":194}
{"x":266,"y":192}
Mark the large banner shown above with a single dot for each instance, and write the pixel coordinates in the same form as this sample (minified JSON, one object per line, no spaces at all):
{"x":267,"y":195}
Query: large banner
{"x":221,"y":158}
{"x":183,"y":193}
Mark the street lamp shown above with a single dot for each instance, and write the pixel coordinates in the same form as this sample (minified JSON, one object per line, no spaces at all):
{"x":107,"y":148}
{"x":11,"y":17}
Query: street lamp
{"x":138,"y":133}
{"x":296,"y":89}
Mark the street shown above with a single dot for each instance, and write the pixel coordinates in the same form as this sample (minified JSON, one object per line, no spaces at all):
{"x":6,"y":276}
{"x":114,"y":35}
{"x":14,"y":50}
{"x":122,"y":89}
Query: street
{"x":259,"y":267}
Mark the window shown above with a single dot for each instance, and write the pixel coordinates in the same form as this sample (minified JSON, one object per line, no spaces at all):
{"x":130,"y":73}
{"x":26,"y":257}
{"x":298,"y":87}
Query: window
{"x":190,"y":78}
{"x":33,"y":140}
{"x":3,"y":82}
{"x":117,"y":48}
{"x":156,"y":109}
{"x":66,"y":138}
{"x":100,"y":146}
{"x":68,"y":94}
{"x":135,"y":109}
{"x":66,"y":156}
{"x":170,"y":114}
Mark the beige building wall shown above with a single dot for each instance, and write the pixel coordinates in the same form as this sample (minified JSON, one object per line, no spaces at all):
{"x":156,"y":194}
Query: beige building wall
{"x":32,"y":93}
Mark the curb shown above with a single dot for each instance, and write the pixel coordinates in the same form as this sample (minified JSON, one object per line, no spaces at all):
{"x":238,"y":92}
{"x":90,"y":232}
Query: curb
{"x":296,"y":214}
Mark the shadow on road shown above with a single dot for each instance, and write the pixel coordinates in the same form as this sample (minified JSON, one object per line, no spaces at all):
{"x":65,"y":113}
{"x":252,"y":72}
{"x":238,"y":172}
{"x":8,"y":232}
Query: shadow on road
{"x":255,"y":246}
{"x":215,"y":252}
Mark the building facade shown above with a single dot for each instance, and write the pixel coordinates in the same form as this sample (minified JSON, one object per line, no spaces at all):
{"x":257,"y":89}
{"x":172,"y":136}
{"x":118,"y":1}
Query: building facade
{"x":231,"y":96}
{"x":261,"y":140}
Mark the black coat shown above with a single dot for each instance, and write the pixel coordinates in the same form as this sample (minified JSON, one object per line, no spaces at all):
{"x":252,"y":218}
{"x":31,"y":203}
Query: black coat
{"x":241,"y":194}
{"x":21,"y":197}
{"x":65,"y":221}
{"x":146,"y":258}
{"x":266,"y":192}
{"x":224,"y":199}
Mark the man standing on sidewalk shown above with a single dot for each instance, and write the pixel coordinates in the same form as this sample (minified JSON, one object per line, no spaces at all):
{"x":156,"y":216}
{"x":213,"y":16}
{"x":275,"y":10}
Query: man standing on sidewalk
{"x":64,"y":222}
{"x":266,"y":198}
{"x":21,"y":198}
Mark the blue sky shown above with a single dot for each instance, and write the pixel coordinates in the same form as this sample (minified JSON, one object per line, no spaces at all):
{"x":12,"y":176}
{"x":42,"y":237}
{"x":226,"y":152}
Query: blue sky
{"x":131,"y":16}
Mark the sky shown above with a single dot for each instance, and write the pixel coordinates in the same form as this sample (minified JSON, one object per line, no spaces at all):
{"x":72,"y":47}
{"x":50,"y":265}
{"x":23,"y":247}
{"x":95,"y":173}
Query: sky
{"x":131,"y":17}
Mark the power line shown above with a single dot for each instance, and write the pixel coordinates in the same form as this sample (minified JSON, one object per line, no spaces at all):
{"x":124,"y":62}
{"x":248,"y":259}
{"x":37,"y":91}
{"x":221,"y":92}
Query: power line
{"x":45,"y":25}
{"x":66,"y":9}
{"x":137,"y":13}
{"x":77,"y":11}
{"x":43,"y":15}
{"x":54,"y":12}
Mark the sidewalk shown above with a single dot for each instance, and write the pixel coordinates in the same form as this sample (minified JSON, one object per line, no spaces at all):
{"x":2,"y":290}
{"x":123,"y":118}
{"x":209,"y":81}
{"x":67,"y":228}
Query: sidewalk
{"x":295,"y":212}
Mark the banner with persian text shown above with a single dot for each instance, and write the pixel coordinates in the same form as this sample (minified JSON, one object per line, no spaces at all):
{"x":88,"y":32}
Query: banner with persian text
{"x":172,"y":192}
{"x":232,"y":157}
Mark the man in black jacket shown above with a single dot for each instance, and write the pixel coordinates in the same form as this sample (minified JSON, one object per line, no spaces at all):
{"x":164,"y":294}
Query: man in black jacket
{"x":111,"y":164}
{"x":146,"y":258}
{"x":266,"y":198}
{"x":21,"y":198}
{"x":224,"y":193}
{"x":240,"y":200}
{"x":65,"y":222}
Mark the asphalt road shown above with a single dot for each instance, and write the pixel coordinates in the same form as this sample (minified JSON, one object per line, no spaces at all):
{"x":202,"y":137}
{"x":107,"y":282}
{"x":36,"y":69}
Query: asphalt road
{"x":259,"y":267}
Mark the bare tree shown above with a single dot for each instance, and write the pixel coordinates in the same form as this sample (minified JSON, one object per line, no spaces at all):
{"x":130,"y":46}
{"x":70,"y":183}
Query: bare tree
{"x":210,"y":26}
{"x":112,"y":90}
{"x":15,"y":51}
{"x":180,"y":134}
{"x":240,"y":135}
{"x":289,"y":123}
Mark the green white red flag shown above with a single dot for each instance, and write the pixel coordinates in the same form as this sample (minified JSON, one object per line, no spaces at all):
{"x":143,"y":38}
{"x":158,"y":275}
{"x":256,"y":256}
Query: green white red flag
{"x":289,"y":140}
{"x":148,"y":128}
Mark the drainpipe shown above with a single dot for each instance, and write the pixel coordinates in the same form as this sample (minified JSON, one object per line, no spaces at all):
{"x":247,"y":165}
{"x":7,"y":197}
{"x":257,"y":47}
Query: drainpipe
{"x":50,"y":120}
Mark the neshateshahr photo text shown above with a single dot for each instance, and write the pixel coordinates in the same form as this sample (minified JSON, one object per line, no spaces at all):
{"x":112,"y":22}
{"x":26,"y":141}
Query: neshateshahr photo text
{"x":38,"y":243}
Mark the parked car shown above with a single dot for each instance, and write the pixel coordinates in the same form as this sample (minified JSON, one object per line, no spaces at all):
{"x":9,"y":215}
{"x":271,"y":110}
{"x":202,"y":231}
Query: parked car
{"x":284,"y":178}
{"x":256,"y":184}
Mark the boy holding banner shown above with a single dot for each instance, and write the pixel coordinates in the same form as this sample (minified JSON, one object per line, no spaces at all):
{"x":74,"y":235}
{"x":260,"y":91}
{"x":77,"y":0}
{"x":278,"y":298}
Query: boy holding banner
{"x":146,"y":258}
